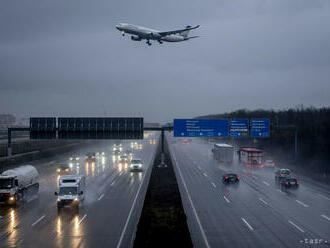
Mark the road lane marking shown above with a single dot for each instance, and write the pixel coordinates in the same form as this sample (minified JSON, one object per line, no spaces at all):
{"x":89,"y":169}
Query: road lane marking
{"x":266,"y":183}
{"x":193,"y":208}
{"x":325,"y":217}
{"x":255,"y":177}
{"x":82,"y":219}
{"x":281,"y":191}
{"x":113,"y":183}
{"x":324,"y":197}
{"x":262,"y":200}
{"x":38,"y":220}
{"x":199,"y":168}
{"x":296,"y":226}
{"x":131,"y":210}
{"x":214,"y":185}
{"x":247,"y":223}
{"x":226,"y":199}
{"x":303,"y":204}
{"x":205,"y":174}
{"x":101,"y":196}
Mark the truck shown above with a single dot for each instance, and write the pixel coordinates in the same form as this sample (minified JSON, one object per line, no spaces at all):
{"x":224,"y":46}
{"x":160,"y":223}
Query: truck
{"x":224,"y":153}
{"x":70,"y":191}
{"x":14,"y":183}
{"x":250,"y":157}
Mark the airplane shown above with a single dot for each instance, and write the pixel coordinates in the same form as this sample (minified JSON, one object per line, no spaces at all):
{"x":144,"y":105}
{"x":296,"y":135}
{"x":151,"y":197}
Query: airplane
{"x":140,"y":33}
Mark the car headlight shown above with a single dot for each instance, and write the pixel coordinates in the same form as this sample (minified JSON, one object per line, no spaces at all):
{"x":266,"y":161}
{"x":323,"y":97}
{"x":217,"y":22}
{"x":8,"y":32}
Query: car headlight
{"x":76,"y":199}
{"x":11,"y":198}
{"x":58,"y":170}
{"x":140,"y":165}
{"x":58,"y":200}
{"x":66,"y":169}
{"x":71,"y":158}
{"x":77,"y":158}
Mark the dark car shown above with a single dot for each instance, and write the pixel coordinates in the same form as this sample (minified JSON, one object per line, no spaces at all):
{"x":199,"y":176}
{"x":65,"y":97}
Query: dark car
{"x":282,"y":174}
{"x":230,"y":178}
{"x":289,"y":183}
{"x":91,"y":157}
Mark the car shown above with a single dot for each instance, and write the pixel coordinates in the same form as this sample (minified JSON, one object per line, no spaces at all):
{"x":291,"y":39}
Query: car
{"x":74,"y":158}
{"x":63,"y":169}
{"x":230,"y":178}
{"x":136,"y":165}
{"x":269,"y":163}
{"x":90,"y":157}
{"x":129,"y":154}
{"x":123,"y":159}
{"x":289,"y":183}
{"x":282,"y":173}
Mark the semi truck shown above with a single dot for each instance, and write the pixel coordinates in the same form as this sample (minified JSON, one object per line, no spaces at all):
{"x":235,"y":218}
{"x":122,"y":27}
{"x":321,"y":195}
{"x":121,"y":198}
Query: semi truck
{"x":70,"y":191}
{"x":250,"y":157}
{"x":14,"y":183}
{"x":224,"y":153}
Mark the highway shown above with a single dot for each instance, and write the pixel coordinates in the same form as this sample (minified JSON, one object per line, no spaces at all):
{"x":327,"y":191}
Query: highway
{"x":254,"y":213}
{"x":108,"y":216}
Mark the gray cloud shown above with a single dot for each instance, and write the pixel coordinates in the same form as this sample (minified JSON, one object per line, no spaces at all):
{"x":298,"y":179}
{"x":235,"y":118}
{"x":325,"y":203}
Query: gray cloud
{"x":66,"y":58}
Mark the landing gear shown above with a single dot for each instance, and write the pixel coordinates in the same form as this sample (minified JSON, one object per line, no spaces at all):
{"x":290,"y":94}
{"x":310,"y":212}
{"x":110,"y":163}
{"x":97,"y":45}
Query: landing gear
{"x":122,"y":33}
{"x":160,"y":42}
{"x":148,"y":42}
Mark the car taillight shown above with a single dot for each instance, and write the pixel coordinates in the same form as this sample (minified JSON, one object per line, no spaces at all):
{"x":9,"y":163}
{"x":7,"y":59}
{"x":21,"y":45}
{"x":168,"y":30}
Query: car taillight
{"x":226,"y":177}
{"x":297,"y":182}
{"x":238,"y":177}
{"x":286,"y":183}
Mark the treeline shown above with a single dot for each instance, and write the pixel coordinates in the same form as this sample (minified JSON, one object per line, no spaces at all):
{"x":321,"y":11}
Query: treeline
{"x":313,"y":126}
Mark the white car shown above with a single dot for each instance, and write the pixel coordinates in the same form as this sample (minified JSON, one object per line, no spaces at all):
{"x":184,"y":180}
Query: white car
{"x":136,"y":164}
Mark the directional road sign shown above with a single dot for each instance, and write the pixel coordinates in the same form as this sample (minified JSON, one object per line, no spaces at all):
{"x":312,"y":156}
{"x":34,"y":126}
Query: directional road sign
{"x":239,"y":128}
{"x":200,"y":128}
{"x":260,"y":128}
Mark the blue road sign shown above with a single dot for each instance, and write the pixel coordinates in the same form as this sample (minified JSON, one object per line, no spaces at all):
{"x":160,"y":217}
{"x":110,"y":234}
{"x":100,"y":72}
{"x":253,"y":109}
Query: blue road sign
{"x":200,"y":128}
{"x":239,"y":128}
{"x":260,"y":128}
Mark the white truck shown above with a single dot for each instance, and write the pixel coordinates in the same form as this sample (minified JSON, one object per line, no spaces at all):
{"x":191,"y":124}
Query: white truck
{"x":224,"y":153}
{"x":14,"y":183}
{"x":70,"y":191}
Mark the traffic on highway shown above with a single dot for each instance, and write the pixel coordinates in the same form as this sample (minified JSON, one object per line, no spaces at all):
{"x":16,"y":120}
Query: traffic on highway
{"x":93,"y":195}
{"x":228,"y":189}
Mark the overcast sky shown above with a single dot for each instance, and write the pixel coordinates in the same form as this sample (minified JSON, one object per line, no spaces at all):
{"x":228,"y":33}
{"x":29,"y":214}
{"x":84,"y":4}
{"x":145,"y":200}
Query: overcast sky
{"x":65,"y":57}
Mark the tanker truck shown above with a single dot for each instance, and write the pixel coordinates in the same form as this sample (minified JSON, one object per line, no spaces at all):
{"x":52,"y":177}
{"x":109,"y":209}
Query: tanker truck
{"x":14,"y":183}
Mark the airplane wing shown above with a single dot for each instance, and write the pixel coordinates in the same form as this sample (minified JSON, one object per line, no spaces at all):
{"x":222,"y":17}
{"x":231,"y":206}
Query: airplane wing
{"x":177,"y":31}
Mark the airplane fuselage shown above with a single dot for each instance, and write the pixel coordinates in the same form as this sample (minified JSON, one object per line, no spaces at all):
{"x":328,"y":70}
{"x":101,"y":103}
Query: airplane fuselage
{"x":147,"y":33}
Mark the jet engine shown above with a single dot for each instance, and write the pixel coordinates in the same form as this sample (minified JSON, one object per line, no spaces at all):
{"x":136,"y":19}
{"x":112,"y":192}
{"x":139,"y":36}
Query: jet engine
{"x":136,"y":38}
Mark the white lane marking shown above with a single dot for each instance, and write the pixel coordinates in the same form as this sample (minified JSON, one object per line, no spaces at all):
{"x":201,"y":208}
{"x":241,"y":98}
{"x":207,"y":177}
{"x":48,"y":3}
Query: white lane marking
{"x":247,"y":223}
{"x":281,"y":191}
{"x":101,"y":196}
{"x":226,"y":199}
{"x":205,"y":174}
{"x":113,"y":183}
{"x":121,"y":173}
{"x":325,"y":217}
{"x":131,"y":211}
{"x":193,"y":208}
{"x":263,"y":201}
{"x":38,"y":220}
{"x":199,"y":168}
{"x":214,"y":185}
{"x":303,"y":204}
{"x":82,"y":219}
{"x":266,"y":183}
{"x":324,"y":197}
{"x":255,"y":177}
{"x":194,"y":162}
{"x":295,"y":225}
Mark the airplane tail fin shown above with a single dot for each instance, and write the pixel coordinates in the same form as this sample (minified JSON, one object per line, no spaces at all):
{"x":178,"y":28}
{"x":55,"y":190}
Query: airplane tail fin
{"x":185,"y":33}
